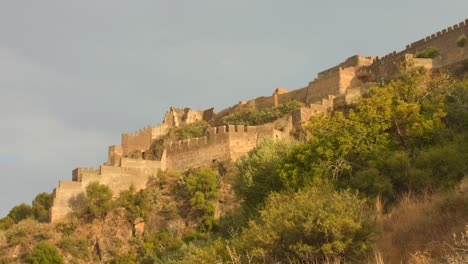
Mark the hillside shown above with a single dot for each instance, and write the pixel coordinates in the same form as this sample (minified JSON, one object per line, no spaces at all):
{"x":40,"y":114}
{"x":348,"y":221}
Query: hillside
{"x":365,"y":164}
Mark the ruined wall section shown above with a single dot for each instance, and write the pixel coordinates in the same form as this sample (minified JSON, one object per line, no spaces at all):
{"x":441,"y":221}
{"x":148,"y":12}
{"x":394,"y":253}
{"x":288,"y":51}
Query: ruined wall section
{"x":114,"y":155}
{"x":327,"y":82}
{"x":221,"y":143}
{"x":137,"y":141}
{"x":299,"y":95}
{"x":180,"y":116}
{"x":68,"y":196}
{"x":243,"y":139}
{"x":196,"y":152}
{"x":159,"y":130}
{"x":446,"y":42}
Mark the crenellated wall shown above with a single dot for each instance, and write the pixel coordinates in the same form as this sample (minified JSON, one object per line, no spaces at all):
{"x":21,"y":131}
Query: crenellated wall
{"x":137,"y":141}
{"x":221,"y":143}
{"x":335,"y":87}
{"x":68,"y":196}
{"x":446,"y":41}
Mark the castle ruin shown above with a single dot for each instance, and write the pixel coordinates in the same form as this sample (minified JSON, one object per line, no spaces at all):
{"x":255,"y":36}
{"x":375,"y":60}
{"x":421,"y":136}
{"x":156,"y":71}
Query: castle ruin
{"x":340,"y":85}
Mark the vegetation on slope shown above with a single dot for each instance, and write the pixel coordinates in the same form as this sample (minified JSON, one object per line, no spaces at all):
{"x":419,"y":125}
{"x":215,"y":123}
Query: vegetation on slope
{"x":254,"y":117}
{"x":297,"y":202}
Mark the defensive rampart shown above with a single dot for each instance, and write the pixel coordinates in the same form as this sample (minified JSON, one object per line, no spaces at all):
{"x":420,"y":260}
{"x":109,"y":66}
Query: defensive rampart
{"x":221,"y":143}
{"x":337,"y":86}
{"x":68,"y":196}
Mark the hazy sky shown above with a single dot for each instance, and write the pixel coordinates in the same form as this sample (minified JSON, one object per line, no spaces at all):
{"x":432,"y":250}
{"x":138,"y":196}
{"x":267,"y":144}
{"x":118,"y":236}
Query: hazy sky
{"x":74,"y":75}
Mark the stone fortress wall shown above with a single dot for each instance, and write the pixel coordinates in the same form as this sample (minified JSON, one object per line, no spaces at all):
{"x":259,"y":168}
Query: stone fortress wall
{"x":334,"y":87}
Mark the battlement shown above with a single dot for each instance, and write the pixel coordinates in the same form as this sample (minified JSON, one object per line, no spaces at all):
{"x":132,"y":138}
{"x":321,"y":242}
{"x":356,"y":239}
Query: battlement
{"x":215,"y":135}
{"x":457,"y":28}
{"x":337,"y":86}
{"x":187,"y":144}
{"x":138,"y":132}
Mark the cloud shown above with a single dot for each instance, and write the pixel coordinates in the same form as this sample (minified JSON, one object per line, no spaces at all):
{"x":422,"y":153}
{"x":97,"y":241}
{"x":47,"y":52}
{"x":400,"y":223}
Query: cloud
{"x":37,"y":148}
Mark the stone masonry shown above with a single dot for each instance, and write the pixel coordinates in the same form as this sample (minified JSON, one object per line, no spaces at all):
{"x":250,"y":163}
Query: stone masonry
{"x":335,"y":87}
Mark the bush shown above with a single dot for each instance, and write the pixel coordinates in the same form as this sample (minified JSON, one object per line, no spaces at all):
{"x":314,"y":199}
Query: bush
{"x":192,"y":130}
{"x":202,"y":188}
{"x":254,"y":117}
{"x":44,"y":252}
{"x":258,"y":173}
{"x":41,"y":205}
{"x":461,"y":41}
{"x":21,"y":212}
{"x":77,"y":247}
{"x":98,"y":200}
{"x":429,"y":53}
{"x":311,"y":225}
{"x":6,"y":223}
{"x":156,"y":150}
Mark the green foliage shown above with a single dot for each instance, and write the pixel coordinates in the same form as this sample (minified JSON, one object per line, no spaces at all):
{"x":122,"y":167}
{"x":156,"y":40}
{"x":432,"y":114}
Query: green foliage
{"x":429,"y":53}
{"x":21,"y":212}
{"x":44,"y":252}
{"x":138,"y":204}
{"x":6,"y":223}
{"x":461,"y":41}
{"x":98,"y":200}
{"x":310,"y":225}
{"x":258,"y":173}
{"x":158,"y":247}
{"x":41,"y":205}
{"x":76,"y":247}
{"x":184,"y":131}
{"x":202,"y":188}
{"x":67,"y":227}
{"x":192,"y":130}
{"x":439,"y":167}
{"x":254,"y":117}
{"x":156,"y":149}
{"x":457,"y":106}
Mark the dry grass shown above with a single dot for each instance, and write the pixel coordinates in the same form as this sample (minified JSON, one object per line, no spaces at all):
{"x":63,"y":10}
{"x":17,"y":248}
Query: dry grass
{"x":419,"y":230}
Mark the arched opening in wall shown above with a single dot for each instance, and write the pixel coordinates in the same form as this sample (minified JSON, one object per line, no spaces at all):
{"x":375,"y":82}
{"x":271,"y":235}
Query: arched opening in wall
{"x":143,"y":155}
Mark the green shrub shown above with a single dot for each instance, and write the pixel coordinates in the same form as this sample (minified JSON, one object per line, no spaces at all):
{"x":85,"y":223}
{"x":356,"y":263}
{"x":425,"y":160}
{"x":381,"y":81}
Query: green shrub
{"x":159,"y":245}
{"x":41,"y":205}
{"x":461,"y":41}
{"x":6,"y":223}
{"x":429,"y":53}
{"x":68,"y":227}
{"x":156,"y":150}
{"x":202,"y":190}
{"x":310,"y":225}
{"x":254,"y":117}
{"x":192,"y":130}
{"x":138,"y":204}
{"x":258,"y":173}
{"x":98,"y":200}
{"x":21,"y":212}
{"x":77,"y":247}
{"x":44,"y":252}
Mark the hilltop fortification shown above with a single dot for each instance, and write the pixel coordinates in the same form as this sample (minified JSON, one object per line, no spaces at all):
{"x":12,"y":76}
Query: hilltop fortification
{"x":334,"y":87}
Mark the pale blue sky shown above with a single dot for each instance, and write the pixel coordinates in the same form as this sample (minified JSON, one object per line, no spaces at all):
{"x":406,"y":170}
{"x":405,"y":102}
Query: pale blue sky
{"x":74,"y":75}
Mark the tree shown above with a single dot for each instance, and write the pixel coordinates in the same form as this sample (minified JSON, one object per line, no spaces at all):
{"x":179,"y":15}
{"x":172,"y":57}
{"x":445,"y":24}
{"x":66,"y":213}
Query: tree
{"x":44,"y":252}
{"x":41,"y":205}
{"x":429,"y":52}
{"x":98,"y":200}
{"x":21,"y":212}
{"x":202,"y":188}
{"x":310,"y":225}
{"x":258,"y":174}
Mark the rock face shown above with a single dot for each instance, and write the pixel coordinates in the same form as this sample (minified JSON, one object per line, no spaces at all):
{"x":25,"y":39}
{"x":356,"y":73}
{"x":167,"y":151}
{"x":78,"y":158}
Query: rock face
{"x":335,"y":87}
